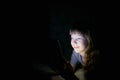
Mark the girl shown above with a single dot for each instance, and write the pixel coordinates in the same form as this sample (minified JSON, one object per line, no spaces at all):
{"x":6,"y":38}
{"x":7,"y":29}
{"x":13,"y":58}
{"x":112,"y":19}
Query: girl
{"x":84,"y":52}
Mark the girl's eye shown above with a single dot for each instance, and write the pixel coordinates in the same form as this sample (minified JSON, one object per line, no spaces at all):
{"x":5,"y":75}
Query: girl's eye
{"x":79,"y":39}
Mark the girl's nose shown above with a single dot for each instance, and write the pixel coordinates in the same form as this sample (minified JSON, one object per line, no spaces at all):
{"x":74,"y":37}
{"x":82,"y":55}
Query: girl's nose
{"x":75,"y":41}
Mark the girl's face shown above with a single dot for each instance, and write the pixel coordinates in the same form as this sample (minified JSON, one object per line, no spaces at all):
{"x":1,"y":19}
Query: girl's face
{"x":78,"y":42}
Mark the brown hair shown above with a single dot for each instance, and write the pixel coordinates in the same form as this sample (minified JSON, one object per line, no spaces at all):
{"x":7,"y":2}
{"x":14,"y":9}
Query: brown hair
{"x":91,"y":52}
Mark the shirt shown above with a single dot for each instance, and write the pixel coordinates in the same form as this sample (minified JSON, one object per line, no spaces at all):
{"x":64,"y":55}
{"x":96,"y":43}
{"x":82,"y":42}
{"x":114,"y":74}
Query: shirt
{"x":76,"y":58}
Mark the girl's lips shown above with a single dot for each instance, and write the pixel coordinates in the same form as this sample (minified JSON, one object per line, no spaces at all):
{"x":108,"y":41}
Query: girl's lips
{"x":76,"y":47}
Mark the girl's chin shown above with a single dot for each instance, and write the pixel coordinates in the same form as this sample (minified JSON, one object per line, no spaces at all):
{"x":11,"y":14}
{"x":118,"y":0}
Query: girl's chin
{"x":76,"y":51}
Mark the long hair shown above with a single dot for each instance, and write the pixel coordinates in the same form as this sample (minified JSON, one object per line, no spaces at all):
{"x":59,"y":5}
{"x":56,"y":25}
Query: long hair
{"x":91,"y":51}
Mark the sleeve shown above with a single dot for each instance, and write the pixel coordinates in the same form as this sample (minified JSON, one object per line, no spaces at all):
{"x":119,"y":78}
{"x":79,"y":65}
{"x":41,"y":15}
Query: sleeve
{"x":73,"y":59}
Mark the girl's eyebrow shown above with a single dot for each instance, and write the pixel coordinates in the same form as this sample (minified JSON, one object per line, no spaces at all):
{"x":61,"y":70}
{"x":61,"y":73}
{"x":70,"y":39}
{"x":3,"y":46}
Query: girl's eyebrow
{"x":79,"y":38}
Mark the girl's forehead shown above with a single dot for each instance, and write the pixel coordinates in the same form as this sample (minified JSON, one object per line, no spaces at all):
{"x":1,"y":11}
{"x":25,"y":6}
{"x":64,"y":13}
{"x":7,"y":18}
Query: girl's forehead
{"x":75,"y":33}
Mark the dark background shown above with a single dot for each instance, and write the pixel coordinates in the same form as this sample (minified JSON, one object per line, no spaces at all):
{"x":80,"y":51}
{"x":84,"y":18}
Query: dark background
{"x":52,"y":23}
